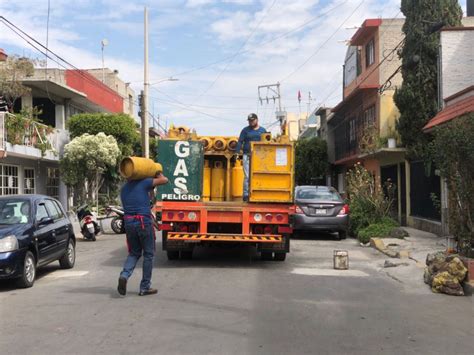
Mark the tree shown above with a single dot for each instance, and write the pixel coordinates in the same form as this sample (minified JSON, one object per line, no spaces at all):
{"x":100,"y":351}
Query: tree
{"x":417,"y":97}
{"x":12,"y":71}
{"x":86,"y":159}
{"x":452,"y":151}
{"x":311,"y":160}
{"x":121,"y":126}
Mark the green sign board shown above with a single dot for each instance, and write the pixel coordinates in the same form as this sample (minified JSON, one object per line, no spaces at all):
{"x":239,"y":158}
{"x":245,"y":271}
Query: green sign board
{"x":183,"y":163}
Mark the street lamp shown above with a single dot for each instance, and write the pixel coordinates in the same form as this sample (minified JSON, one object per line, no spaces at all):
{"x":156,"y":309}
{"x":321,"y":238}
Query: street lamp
{"x":165,"y":79}
{"x":104,"y":42}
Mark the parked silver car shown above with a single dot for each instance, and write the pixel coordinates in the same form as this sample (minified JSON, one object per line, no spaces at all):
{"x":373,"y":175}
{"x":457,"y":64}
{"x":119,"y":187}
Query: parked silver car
{"x":320,"y":208}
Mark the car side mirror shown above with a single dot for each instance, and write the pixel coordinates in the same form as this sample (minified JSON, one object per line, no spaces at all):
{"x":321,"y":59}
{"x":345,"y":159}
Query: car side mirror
{"x":45,"y":221}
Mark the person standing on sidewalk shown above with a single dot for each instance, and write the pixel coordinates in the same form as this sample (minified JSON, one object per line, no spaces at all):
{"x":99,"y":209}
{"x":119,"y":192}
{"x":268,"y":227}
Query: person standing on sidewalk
{"x":251,"y":133}
{"x":135,"y":196}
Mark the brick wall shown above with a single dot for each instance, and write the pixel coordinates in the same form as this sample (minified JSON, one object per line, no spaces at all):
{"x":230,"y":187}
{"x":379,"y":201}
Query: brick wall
{"x":457,"y":60}
{"x":390,"y":35}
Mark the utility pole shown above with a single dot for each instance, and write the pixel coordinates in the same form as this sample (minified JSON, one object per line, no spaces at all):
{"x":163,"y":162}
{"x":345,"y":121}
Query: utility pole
{"x":275,"y":95}
{"x":146,"y":84}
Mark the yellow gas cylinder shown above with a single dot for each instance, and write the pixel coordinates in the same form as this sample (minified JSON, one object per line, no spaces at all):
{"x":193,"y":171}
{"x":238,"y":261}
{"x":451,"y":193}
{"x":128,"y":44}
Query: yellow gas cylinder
{"x":206,"y":142}
{"x":206,"y":182}
{"x":136,"y":168}
{"x":237,"y":181}
{"x":232,"y":143}
{"x":219,"y":144}
{"x":218,"y":182}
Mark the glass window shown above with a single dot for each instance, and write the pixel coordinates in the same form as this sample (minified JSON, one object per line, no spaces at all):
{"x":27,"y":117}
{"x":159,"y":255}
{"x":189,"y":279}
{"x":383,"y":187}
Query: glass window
{"x":41,"y":212}
{"x":318,"y":194}
{"x":369,"y":53}
{"x":14,"y":212}
{"x":53,"y":209}
{"x":60,"y":210}
{"x":369,"y":117}
{"x":9,"y":180}
{"x":29,"y":181}
{"x":52,"y":183}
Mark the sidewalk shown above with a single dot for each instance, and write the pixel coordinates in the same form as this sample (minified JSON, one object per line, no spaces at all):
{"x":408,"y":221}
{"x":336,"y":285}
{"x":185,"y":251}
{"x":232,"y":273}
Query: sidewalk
{"x":409,"y":271}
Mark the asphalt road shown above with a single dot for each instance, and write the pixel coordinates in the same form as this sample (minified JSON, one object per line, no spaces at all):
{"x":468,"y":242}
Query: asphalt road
{"x":230,"y":302}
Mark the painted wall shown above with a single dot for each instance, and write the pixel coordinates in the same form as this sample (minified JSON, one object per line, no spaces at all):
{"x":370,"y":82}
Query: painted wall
{"x":96,"y":91}
{"x":389,"y":113}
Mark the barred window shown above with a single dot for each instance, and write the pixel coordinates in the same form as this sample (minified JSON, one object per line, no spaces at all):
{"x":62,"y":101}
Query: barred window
{"x":369,"y":117}
{"x":369,"y":53}
{"x":52,"y":183}
{"x":29,"y":183}
{"x":9,"y":180}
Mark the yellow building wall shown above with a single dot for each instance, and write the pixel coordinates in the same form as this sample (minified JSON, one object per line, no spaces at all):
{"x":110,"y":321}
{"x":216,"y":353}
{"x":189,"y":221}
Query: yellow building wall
{"x":389,"y":113}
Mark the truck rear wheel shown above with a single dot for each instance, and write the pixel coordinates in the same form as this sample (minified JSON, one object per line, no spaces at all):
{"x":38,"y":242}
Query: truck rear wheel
{"x":266,"y":255}
{"x":172,"y":254}
{"x":280,"y":256}
{"x":186,"y":254}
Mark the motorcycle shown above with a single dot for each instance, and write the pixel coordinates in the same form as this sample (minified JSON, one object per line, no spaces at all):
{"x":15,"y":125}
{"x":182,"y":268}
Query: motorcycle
{"x":117,"y":223}
{"x":89,"y":226}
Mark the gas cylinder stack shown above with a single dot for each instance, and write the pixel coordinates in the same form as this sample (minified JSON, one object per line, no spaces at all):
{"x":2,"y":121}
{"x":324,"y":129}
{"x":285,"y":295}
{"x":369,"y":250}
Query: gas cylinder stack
{"x":223,"y":174}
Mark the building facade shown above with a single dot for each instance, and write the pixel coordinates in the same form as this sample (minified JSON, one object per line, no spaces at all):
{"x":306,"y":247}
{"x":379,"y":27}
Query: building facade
{"x":363,"y":123}
{"x":29,"y":161}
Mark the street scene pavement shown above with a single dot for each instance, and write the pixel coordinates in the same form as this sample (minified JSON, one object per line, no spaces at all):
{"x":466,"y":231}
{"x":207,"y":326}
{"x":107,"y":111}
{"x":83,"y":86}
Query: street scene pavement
{"x":228,"y":301}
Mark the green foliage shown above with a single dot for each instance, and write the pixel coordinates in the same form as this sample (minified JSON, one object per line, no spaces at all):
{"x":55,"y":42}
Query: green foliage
{"x":380,"y":229}
{"x":367,"y":201}
{"x":121,"y":126}
{"x":86,"y":159}
{"x":12,"y":71}
{"x":311,"y":160}
{"x":417,"y":97}
{"x":452,"y":151}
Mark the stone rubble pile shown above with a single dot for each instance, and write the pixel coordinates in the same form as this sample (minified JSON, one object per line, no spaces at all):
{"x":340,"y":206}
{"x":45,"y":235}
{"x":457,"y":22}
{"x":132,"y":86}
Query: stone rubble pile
{"x":445,"y":273}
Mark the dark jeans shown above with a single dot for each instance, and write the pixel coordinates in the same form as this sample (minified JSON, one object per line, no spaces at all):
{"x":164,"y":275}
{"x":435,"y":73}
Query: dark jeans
{"x":140,"y":240}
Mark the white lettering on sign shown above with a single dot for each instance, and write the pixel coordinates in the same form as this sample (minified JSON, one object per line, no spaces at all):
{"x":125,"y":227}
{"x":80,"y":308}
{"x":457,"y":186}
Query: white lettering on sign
{"x":181,"y":149}
{"x":180,"y":197}
{"x":181,"y":168}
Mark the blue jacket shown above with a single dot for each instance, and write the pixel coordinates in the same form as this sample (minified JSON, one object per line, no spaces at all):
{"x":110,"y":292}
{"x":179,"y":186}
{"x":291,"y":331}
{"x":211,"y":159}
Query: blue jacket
{"x":248,"y":135}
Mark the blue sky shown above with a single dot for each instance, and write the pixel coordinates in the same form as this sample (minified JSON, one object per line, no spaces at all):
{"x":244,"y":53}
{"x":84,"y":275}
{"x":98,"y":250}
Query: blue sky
{"x":185,"y":34}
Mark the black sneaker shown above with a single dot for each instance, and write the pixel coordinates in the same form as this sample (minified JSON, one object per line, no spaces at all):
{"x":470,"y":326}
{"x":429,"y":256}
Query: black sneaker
{"x":150,"y":291}
{"x":122,"y":286}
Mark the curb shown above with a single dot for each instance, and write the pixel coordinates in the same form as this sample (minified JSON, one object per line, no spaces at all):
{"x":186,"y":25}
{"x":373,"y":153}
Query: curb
{"x":377,"y":243}
{"x":468,"y":288}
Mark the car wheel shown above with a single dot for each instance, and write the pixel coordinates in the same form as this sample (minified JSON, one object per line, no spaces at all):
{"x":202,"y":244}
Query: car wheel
{"x":280,"y":256}
{"x":342,"y":235}
{"x":172,"y":254}
{"x":68,"y":260}
{"x":266,"y":255}
{"x":117,"y":225}
{"x":28,"y":276}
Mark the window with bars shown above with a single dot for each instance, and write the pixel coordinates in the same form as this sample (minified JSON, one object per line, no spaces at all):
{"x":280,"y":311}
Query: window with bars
{"x":370,"y":53}
{"x":9,"y":180}
{"x":369,"y":117}
{"x":29,"y":184}
{"x":52,"y":182}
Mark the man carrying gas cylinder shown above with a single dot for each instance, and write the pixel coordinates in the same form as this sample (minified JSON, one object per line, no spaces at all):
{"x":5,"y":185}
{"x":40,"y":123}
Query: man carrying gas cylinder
{"x":138,"y":220}
{"x":251,"y":133}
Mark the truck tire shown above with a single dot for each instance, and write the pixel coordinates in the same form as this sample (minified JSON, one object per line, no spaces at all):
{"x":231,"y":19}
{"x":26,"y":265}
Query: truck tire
{"x":280,"y":256}
{"x":172,"y":254}
{"x":266,"y":255}
{"x":186,"y":254}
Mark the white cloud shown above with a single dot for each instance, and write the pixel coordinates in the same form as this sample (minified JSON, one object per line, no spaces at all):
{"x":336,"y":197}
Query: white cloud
{"x":234,"y":93}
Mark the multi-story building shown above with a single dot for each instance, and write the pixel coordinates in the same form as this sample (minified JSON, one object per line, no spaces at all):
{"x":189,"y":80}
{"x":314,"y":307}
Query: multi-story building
{"x":29,"y":162}
{"x":365,"y":119}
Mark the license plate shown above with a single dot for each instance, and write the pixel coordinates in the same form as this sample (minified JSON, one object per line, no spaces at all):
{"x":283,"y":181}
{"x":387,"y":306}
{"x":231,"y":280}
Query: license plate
{"x":319,"y":211}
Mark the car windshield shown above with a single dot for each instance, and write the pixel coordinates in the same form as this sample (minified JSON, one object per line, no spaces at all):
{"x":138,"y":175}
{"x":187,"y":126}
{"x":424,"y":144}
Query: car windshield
{"x":14,"y":211}
{"x":318,"y":194}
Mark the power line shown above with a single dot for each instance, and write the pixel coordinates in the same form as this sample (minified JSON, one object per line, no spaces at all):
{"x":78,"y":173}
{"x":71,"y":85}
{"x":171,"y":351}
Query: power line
{"x":323,"y":44}
{"x":283,"y":35}
{"x":236,"y":53}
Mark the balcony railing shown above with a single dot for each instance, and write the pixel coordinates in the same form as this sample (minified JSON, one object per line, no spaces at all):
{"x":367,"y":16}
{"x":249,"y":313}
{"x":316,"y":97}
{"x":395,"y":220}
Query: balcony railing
{"x":18,"y":130}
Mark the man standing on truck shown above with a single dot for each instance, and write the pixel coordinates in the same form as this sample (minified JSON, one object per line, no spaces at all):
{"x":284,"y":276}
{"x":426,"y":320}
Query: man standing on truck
{"x":251,"y":133}
{"x":135,"y":196}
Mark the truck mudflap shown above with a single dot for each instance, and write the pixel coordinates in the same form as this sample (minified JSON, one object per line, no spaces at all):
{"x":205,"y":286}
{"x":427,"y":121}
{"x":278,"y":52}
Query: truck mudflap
{"x":214,"y":237}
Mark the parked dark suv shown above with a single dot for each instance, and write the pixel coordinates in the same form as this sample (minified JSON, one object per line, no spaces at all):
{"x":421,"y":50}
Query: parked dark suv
{"x":34,"y":231}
